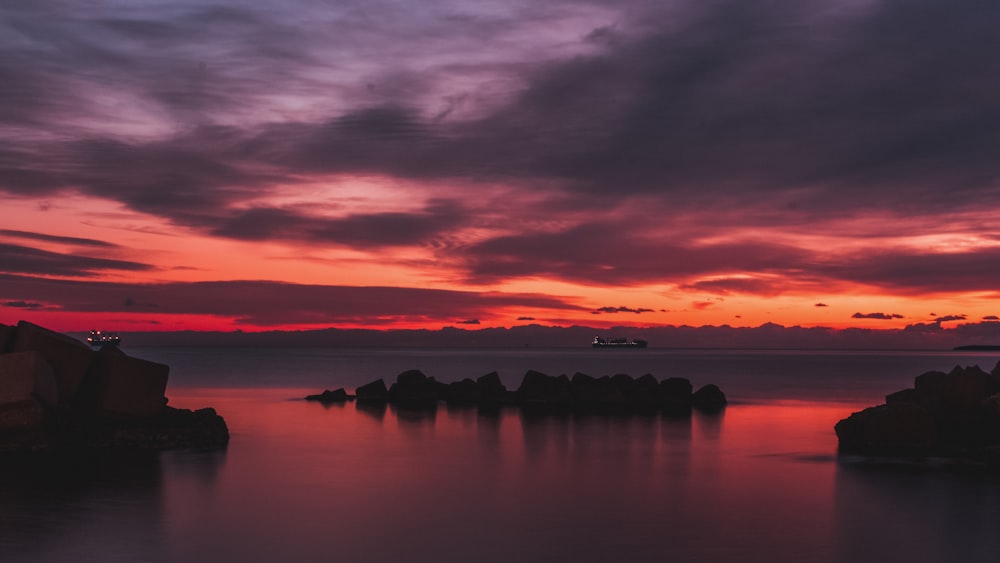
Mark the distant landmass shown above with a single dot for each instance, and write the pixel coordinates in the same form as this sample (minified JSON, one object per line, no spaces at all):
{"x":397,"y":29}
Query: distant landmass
{"x":979,"y":347}
{"x":929,"y":336}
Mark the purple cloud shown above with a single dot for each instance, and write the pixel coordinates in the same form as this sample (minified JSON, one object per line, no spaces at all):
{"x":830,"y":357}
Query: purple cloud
{"x":881,"y":316}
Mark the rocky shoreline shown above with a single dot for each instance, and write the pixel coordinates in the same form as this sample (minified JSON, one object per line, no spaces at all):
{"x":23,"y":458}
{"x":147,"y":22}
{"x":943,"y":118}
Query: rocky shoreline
{"x":953,"y":415}
{"x":58,"y":394}
{"x":540,"y":393}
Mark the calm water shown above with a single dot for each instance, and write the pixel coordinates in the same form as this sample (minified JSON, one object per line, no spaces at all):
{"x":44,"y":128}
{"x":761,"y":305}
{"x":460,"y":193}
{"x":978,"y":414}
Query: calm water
{"x":304,"y":482}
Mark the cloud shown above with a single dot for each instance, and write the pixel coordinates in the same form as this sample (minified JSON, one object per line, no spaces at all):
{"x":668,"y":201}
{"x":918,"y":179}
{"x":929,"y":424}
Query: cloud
{"x":469,"y":322}
{"x":26,"y":260}
{"x":638,"y":311}
{"x":267,"y":303}
{"x":991,"y":318}
{"x":948,"y":318}
{"x":723,"y":114}
{"x":57,"y":239}
{"x":820,"y":305}
{"x":526,"y":318}
{"x":23,"y":305}
{"x":882,"y":316}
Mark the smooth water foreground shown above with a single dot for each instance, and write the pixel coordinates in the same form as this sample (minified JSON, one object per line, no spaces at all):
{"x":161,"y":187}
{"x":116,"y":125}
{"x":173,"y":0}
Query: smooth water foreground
{"x":305,"y":482}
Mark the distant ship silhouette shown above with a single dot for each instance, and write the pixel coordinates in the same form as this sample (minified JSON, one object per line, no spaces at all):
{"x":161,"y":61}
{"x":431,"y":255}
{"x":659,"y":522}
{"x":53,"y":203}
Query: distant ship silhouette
{"x":618,"y":343}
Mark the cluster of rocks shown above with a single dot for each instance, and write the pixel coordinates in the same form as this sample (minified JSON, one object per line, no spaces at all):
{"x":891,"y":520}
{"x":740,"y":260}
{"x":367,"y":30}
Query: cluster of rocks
{"x":955,"y":414}
{"x":55,"y":392}
{"x":541,"y":393}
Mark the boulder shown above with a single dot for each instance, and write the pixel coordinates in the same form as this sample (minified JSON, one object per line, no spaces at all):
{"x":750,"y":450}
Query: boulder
{"x":416,"y":390}
{"x":675,"y":395}
{"x":336,"y":396}
{"x":491,"y":390}
{"x":539,"y":391}
{"x":595,"y":394}
{"x":708,"y":398}
{"x":896,"y":428}
{"x":122,"y":385}
{"x":465,"y":392}
{"x":69,"y":358}
{"x":25,"y":376}
{"x":374,"y":392}
{"x":954,"y":414}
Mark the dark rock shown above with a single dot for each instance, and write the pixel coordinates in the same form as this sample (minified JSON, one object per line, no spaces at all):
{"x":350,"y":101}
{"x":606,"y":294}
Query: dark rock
{"x":374,"y":392}
{"x":122,"y":385}
{"x":894,"y":429}
{"x":56,"y":394}
{"x":675,"y":396}
{"x":27,"y":376}
{"x":170,"y":429}
{"x":70,"y":359}
{"x":465,"y":392}
{"x":492,"y":390}
{"x":708,"y":398}
{"x":413,"y":389}
{"x":599,"y":394}
{"x":336,"y":396}
{"x":27,"y":414}
{"x":543,"y":392}
{"x":955,"y":414}
{"x":903,"y":396}
{"x":6,"y":338}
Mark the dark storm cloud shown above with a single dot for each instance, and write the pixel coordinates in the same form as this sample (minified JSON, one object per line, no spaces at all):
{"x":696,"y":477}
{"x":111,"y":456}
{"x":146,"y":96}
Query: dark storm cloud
{"x":358,"y":230}
{"x":637,"y":311}
{"x":726,"y":286}
{"x":880,"y":316}
{"x":265,"y":303}
{"x":57,"y":239}
{"x":914,"y":272}
{"x":790,"y":105}
{"x":23,"y":305}
{"x":16,"y":259}
{"x":618,"y":253}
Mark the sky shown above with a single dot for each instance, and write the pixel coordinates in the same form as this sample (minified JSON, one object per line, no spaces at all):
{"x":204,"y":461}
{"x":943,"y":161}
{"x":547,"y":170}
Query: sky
{"x":300,"y":164}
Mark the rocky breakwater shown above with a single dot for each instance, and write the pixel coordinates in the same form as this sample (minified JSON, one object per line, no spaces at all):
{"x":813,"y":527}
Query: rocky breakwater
{"x":541,"y":393}
{"x":56,"y":393}
{"x":952,"y":415}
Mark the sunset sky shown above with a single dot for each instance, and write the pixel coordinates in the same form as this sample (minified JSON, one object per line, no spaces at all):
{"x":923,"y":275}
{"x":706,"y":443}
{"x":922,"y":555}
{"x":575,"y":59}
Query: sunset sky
{"x":302,"y":164}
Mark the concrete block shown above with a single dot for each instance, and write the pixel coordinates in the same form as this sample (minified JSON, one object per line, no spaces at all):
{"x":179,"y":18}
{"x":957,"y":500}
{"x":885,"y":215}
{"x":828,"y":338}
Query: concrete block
{"x":26,"y":375}
{"x":70,"y":359}
{"x":6,"y":338}
{"x":23,"y":415}
{"x":129,"y":386}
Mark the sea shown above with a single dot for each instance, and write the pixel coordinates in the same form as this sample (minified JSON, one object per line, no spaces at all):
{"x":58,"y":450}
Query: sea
{"x":302,"y":481}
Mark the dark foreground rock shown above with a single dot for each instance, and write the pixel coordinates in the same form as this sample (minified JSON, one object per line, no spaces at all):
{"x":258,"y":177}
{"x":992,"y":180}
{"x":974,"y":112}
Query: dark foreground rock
{"x":955,"y":414}
{"x":541,"y":393}
{"x":56,"y":393}
{"x":328,"y":396}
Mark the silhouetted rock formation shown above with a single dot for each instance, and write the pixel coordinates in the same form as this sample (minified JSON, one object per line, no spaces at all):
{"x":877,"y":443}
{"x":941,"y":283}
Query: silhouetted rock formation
{"x":708,"y":398}
{"x":955,"y":414}
{"x":374,"y":392}
{"x":55,"y":392}
{"x":542,"y":393}
{"x":415,"y":390}
{"x":335,"y":396}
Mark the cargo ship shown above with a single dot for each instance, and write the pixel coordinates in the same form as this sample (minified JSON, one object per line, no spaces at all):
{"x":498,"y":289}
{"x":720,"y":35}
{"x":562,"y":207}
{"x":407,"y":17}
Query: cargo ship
{"x":618,"y":343}
{"x":98,"y":338}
